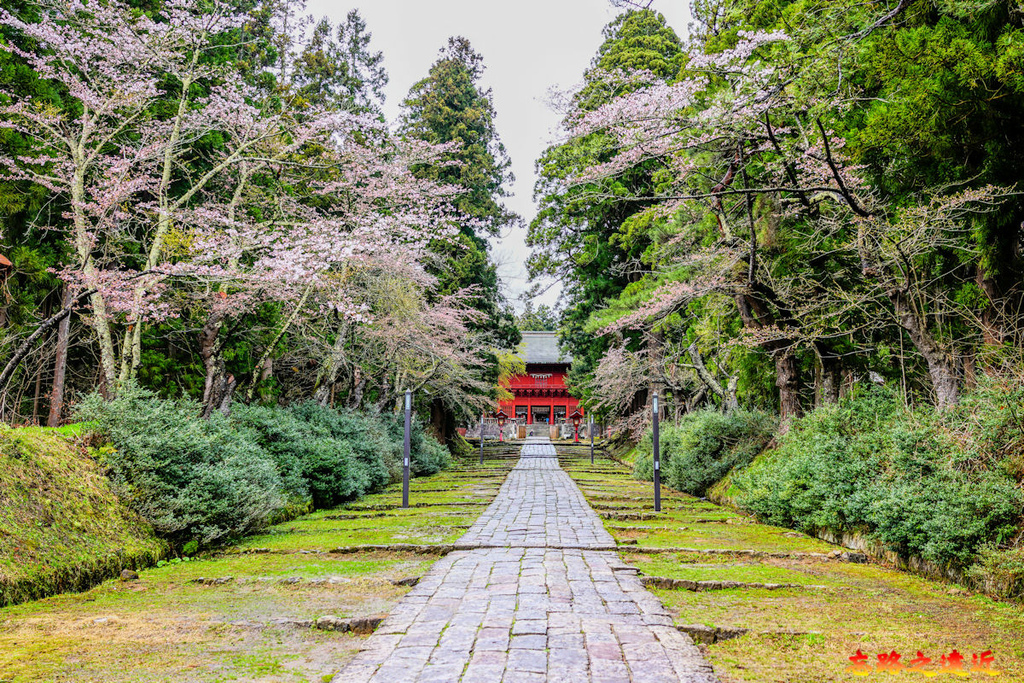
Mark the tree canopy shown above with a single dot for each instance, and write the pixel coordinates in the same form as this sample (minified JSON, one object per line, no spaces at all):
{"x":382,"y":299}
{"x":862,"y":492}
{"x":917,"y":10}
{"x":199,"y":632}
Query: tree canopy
{"x":803,"y":196}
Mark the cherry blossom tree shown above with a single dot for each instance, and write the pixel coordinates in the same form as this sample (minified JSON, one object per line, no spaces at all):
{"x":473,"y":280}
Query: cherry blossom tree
{"x":110,"y":63}
{"x":291,"y":200}
{"x":757,"y":154}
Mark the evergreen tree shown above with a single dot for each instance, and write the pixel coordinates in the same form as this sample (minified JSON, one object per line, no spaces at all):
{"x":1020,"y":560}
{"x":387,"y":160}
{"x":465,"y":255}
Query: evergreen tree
{"x":449,"y":106}
{"x":340,"y":70}
{"x":591,"y":245}
{"x":543,"y":317}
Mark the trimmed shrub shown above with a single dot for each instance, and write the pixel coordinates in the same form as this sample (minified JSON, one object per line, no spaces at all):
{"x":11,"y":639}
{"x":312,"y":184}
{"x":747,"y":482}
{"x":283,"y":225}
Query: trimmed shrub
{"x":705,"y":446}
{"x":999,"y":572}
{"x":278,"y":432}
{"x":201,"y":481}
{"x":911,"y":480}
{"x":426,"y":455}
{"x":192,"y":479}
{"x":375,"y":457}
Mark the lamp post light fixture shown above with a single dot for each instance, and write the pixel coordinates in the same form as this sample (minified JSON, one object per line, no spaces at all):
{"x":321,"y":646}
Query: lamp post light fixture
{"x":405,"y":465}
{"x":590,"y":428}
{"x":657,"y":453}
{"x":502,"y":417}
{"x":576,"y":418}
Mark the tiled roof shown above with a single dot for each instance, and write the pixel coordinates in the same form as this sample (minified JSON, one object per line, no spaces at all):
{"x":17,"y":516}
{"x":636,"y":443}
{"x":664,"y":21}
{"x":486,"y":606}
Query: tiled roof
{"x":542,"y":347}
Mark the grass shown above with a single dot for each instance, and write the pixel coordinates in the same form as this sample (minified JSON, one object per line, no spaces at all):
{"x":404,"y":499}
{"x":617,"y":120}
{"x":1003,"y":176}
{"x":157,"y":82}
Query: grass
{"x":167,"y":627}
{"x":800,"y":634}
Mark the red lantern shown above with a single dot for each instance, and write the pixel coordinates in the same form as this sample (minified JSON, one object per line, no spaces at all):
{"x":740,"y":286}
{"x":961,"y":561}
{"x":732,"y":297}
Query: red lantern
{"x":576,"y":418}
{"x":502,"y":418}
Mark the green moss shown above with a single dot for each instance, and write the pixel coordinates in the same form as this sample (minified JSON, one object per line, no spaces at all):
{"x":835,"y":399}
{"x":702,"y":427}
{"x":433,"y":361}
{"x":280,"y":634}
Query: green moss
{"x":800,"y":634}
{"x":168,"y":627}
{"x":62,"y":528}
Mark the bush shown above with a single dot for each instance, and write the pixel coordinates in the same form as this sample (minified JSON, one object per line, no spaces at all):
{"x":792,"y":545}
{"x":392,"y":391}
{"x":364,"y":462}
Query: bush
{"x":204,"y":481}
{"x":375,"y":457}
{"x":426,"y":455}
{"x":278,"y":432}
{"x":704,"y":447}
{"x":999,"y":572}
{"x":904,"y":478}
{"x":192,"y":479}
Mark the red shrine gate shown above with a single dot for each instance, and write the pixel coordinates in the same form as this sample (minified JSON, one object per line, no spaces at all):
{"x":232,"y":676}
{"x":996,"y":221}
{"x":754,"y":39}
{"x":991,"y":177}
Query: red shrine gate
{"x":540,"y":394}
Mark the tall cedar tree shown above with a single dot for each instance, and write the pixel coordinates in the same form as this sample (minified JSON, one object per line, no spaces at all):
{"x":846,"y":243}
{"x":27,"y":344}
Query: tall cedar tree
{"x":587,"y":244}
{"x":449,"y":106}
{"x":341,"y":71}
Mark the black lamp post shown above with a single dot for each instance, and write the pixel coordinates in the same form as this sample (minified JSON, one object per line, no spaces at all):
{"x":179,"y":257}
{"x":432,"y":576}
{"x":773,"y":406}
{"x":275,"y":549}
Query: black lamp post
{"x":576,"y":418}
{"x":655,"y":415}
{"x":405,"y":449}
{"x":590,"y":428}
{"x":502,"y":417}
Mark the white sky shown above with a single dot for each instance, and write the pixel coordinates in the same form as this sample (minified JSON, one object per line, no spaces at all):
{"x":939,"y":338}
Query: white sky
{"x":528,"y":46}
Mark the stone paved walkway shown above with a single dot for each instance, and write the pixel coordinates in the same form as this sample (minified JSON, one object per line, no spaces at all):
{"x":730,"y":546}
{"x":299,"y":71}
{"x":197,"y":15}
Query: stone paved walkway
{"x":539,"y":602}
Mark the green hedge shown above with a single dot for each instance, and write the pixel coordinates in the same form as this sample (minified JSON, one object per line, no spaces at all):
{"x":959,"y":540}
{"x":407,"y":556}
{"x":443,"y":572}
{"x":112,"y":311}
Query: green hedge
{"x":200,"y":482}
{"x":704,"y":446}
{"x":924,"y":484}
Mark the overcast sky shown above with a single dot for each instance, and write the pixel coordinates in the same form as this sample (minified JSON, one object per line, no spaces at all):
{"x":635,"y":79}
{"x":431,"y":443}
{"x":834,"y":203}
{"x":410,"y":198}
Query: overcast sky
{"x":528,"y":46}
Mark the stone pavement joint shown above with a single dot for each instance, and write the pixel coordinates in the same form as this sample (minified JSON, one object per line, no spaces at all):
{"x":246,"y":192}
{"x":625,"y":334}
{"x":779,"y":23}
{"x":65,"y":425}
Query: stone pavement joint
{"x":537,"y":596}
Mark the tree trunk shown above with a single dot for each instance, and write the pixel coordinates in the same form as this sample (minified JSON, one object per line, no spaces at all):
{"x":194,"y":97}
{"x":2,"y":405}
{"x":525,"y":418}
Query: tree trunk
{"x":101,"y":323}
{"x":991,"y":323}
{"x":229,"y":390}
{"x":385,"y":395}
{"x":60,"y":364}
{"x":83,"y":246}
{"x":828,"y":377}
{"x":209,"y":351}
{"x":220,"y":395}
{"x":44,"y":327}
{"x":329,"y":375}
{"x":38,"y":391}
{"x":355,"y":398}
{"x":787,"y":379}
{"x":439,"y":419}
{"x":755,"y":315}
{"x":943,"y":370}
{"x":269,"y":352}
{"x":694,"y":401}
{"x":727,"y":394}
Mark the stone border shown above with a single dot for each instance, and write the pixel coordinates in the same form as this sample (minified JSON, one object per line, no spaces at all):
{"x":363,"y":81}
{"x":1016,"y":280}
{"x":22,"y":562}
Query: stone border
{"x":714,"y":585}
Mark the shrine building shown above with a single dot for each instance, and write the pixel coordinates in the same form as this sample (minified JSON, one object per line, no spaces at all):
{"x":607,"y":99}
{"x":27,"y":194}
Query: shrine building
{"x":540,"y":394}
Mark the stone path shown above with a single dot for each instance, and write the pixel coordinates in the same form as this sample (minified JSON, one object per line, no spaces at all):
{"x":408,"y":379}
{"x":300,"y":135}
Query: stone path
{"x":539,"y":506}
{"x":540,"y":601}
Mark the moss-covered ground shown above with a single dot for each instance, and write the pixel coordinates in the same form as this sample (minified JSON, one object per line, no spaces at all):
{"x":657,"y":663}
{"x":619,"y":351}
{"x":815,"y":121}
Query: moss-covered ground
{"x":240,"y":614}
{"x":796,"y":635}
{"x":61,"y":525}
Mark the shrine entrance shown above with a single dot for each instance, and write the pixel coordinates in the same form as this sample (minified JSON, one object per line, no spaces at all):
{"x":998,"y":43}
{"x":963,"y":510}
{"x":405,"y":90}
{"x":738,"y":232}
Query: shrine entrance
{"x":540,"y":414}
